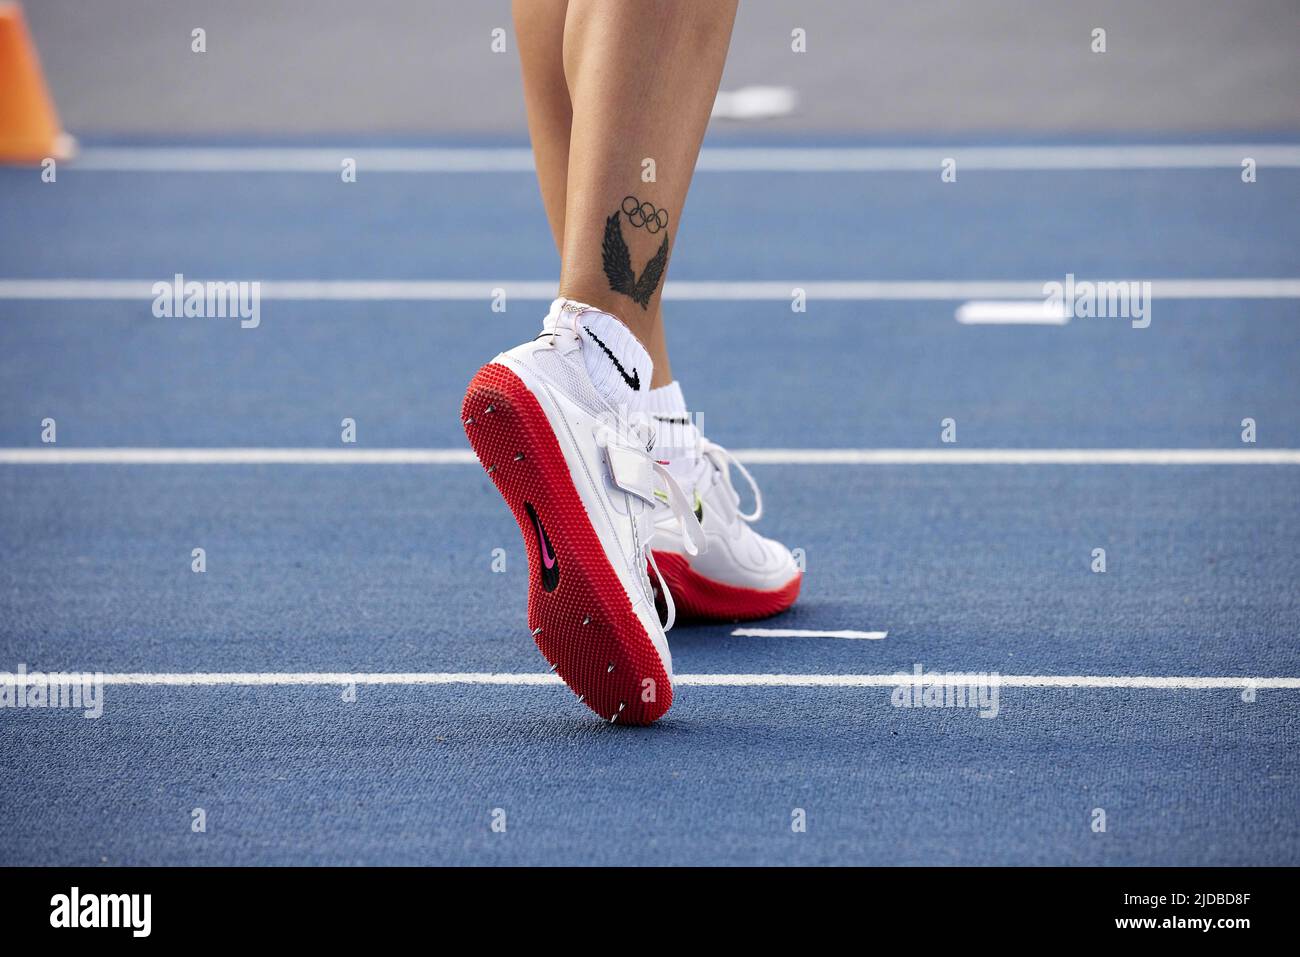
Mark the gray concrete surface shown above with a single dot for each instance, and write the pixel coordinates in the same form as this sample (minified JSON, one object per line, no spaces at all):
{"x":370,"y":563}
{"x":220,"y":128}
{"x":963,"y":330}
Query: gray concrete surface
{"x":925,"y":67}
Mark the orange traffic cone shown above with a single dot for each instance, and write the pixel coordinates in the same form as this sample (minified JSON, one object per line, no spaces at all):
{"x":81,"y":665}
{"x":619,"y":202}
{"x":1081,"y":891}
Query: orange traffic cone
{"x":29,"y":127}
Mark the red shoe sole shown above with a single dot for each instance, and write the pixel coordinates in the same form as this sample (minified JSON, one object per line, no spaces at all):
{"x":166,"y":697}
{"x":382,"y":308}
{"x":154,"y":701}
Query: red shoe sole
{"x":589,"y":632}
{"x":702,"y":599}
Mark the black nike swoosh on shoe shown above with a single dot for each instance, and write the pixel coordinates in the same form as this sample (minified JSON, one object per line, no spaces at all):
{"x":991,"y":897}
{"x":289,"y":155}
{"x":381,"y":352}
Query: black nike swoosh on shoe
{"x":634,"y":380}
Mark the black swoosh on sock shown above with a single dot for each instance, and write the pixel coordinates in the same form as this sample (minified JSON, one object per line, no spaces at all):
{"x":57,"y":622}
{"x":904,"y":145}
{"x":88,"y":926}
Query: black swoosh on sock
{"x":633,"y":381}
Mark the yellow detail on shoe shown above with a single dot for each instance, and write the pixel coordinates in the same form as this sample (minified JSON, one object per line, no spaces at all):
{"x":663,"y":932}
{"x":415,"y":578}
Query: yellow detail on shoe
{"x":699,"y":506}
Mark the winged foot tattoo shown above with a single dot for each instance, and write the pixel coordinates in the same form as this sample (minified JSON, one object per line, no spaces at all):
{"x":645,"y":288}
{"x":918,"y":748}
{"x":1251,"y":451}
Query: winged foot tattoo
{"x":618,"y":265}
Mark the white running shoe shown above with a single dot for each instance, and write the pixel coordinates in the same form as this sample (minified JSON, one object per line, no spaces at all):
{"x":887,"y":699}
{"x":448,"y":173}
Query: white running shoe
{"x":581,"y":481}
{"x":740,"y":575}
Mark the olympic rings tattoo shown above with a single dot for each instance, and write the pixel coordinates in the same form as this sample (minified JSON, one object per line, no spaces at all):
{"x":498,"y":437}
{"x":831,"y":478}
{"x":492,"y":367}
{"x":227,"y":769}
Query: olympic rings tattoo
{"x":644,"y":214}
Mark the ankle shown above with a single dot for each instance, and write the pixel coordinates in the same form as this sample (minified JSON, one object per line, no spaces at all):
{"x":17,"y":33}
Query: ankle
{"x":639,"y":322}
{"x":617,"y":363}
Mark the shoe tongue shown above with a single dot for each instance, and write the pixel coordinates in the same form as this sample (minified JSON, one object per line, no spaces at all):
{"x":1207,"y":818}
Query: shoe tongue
{"x":677,"y":442}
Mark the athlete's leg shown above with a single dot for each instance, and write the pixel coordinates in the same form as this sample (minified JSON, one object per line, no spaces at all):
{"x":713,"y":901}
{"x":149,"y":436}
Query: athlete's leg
{"x":548,"y":419}
{"x":539,"y":27}
{"x":539,"y":32}
{"x":642,"y":79}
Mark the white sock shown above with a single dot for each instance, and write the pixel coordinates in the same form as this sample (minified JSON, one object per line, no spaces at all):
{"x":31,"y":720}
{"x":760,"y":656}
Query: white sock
{"x":666,"y":401}
{"x":676,"y":435}
{"x":617,"y":363}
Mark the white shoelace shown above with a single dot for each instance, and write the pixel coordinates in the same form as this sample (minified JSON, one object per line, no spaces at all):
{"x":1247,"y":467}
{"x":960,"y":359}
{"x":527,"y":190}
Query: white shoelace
{"x":717,"y":458}
{"x":692,"y":533}
{"x":635,"y":469}
{"x":724,"y":461}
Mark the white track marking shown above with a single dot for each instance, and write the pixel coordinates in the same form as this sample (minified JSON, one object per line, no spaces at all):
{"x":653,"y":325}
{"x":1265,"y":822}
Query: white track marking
{"x":236,"y":159}
{"x":712,"y":159}
{"x":327,"y":456}
{"x":965,"y":678}
{"x":994,"y":158}
{"x":1018,"y":456}
{"x":804,"y":633}
{"x":1014,"y":312}
{"x":398,"y":456}
{"x":333,"y":290}
{"x":240,"y":678}
{"x":755,"y":103}
{"x":234,"y":456}
{"x":450,"y":290}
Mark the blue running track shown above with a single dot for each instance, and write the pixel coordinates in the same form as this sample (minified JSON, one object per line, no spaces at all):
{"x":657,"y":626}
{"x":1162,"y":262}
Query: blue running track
{"x":388,"y":569}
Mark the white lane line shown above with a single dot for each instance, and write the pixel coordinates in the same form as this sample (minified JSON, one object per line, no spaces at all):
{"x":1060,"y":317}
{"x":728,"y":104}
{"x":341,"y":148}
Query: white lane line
{"x":805,"y":633}
{"x":1041,"y":312}
{"x":451,"y":290}
{"x":1019,"y":456}
{"x":966,"y":678}
{"x":712,"y":159}
{"x":239,"y":678}
{"x":235,"y":456}
{"x":288,"y":159}
{"x":342,"y":456}
{"x":755,"y":103}
{"x":995,"y":158}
